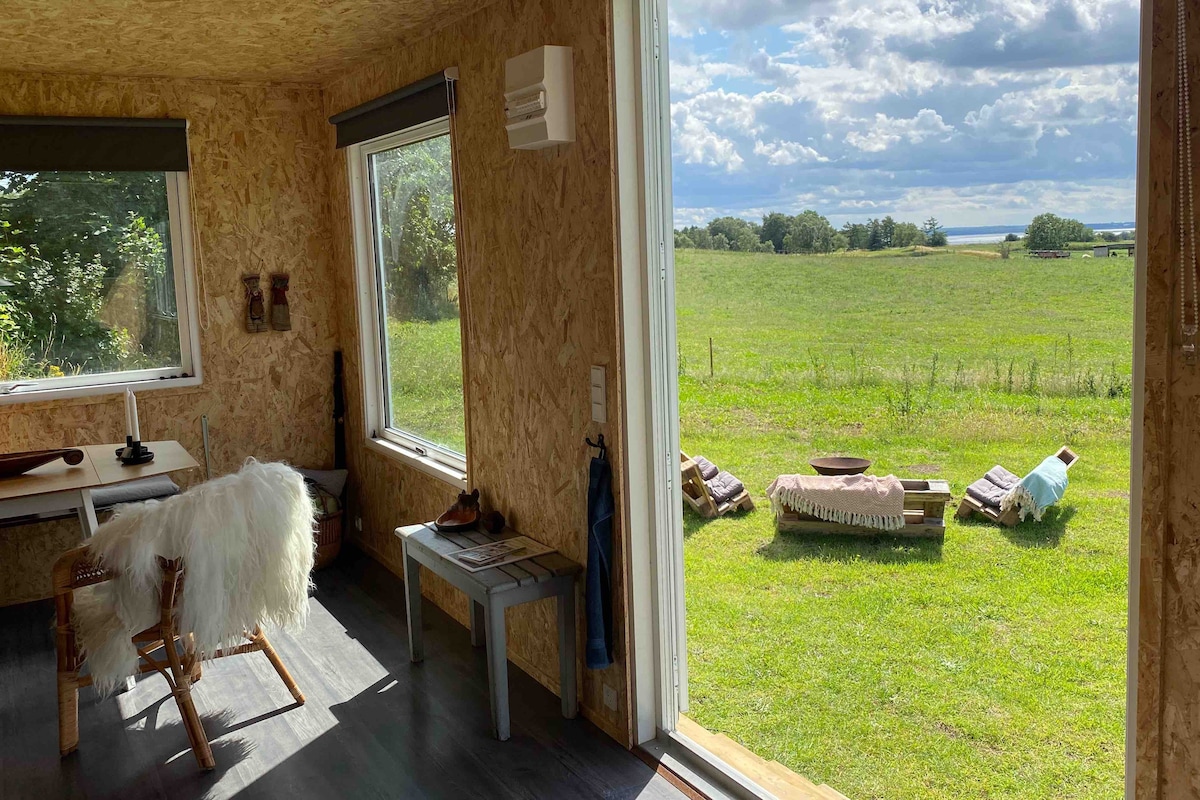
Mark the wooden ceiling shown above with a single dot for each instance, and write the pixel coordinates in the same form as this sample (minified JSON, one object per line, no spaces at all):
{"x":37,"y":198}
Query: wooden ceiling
{"x":249,"y":40}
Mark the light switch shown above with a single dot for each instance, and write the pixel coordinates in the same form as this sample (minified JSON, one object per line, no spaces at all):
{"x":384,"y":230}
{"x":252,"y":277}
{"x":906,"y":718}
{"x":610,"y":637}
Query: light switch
{"x":599,"y":396}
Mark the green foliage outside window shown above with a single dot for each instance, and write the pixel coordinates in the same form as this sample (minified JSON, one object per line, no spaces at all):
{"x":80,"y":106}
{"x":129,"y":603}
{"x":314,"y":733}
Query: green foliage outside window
{"x":90,"y":284}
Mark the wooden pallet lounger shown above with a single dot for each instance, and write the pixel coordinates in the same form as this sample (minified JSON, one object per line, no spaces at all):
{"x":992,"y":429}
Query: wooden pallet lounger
{"x":1010,"y":518}
{"x":924,"y":514}
{"x":696,"y":494}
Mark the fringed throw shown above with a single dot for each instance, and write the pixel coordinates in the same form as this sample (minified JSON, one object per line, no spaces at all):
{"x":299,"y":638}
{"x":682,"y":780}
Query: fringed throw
{"x":862,"y":500}
{"x":1038,"y":490}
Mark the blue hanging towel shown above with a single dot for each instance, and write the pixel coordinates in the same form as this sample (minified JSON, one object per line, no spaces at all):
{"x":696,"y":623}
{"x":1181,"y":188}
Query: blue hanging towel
{"x":598,"y":586}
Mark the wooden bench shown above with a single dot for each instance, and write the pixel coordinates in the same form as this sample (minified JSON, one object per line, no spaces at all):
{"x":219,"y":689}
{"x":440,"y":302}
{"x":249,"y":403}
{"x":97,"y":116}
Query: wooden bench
{"x":1012,"y":517}
{"x":924,"y":514}
{"x":696,"y":494}
{"x":490,"y":592}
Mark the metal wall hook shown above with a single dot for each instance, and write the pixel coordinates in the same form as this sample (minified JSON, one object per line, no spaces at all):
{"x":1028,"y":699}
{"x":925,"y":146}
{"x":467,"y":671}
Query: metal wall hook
{"x":599,"y":445}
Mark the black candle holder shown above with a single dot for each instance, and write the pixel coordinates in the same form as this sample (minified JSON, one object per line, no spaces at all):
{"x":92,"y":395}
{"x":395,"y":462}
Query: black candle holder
{"x":134,"y":453}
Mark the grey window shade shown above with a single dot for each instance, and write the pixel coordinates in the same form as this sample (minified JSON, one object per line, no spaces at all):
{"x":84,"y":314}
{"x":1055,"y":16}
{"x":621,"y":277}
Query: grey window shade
{"x":423,"y":101}
{"x":82,"y":144}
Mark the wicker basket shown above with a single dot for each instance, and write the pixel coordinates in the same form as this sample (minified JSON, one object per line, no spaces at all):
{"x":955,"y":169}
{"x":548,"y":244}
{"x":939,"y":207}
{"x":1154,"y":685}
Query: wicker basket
{"x":327,"y":532}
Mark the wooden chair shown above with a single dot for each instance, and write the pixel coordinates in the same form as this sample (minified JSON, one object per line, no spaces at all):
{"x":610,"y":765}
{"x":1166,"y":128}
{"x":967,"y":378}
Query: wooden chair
{"x":1012,"y":517}
{"x":75,"y":570}
{"x":696,"y":494}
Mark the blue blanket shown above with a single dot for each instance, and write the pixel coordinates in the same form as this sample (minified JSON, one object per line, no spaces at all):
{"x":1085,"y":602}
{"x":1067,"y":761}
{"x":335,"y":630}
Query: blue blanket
{"x":1040,"y":489}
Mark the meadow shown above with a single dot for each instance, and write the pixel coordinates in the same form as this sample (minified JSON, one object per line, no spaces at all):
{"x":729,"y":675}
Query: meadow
{"x":991,"y":665}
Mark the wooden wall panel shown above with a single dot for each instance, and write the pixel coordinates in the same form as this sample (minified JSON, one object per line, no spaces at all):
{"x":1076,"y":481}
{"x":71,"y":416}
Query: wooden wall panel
{"x":541,"y":274}
{"x":1168,"y":681}
{"x":259,"y":189}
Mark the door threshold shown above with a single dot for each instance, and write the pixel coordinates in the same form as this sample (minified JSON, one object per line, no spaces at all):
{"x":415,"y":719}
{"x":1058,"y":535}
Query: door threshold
{"x":719,"y":767}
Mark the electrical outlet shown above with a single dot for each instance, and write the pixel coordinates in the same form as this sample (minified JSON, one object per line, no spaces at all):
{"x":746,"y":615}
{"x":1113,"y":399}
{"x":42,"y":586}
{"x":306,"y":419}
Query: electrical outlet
{"x":610,"y":698}
{"x":358,"y":524}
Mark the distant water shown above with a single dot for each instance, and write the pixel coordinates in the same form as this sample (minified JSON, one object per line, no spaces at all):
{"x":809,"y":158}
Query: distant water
{"x":992,"y":238}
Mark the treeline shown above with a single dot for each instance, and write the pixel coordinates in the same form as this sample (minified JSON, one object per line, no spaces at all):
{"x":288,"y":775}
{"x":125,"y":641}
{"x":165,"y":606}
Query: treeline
{"x":1052,"y":232}
{"x":807,"y":232}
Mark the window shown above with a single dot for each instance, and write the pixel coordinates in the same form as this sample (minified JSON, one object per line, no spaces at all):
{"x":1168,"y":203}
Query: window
{"x":408,"y":287}
{"x":94,"y":286}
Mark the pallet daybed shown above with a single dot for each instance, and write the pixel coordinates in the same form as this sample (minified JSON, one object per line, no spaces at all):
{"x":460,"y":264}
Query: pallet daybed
{"x":1010,"y":518}
{"x":924,"y":514}
{"x":696,"y":494}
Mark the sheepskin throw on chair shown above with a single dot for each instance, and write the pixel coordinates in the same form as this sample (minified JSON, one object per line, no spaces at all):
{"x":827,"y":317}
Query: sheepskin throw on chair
{"x":247,"y":548}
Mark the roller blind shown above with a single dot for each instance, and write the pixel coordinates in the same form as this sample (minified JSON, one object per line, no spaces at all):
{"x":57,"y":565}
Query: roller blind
{"x":422,"y":101}
{"x":80,"y":144}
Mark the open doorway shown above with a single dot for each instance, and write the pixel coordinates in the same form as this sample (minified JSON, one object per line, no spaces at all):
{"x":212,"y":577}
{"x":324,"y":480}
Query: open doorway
{"x":834,"y":294}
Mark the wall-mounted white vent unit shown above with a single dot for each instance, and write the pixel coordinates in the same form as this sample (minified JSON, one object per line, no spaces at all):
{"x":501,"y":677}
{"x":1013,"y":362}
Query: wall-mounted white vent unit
{"x":539,"y":98}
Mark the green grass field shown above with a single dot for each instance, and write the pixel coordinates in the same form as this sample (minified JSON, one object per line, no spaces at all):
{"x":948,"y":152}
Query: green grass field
{"x":991,"y":666}
{"x":425,"y":378}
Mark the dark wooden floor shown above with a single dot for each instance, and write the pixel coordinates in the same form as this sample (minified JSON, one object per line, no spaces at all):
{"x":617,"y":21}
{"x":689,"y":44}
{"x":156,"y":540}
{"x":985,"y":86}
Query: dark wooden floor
{"x":374,"y":724}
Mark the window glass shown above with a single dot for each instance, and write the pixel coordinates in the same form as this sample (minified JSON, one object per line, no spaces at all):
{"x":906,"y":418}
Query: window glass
{"x":87,"y":283}
{"x":412,"y":199}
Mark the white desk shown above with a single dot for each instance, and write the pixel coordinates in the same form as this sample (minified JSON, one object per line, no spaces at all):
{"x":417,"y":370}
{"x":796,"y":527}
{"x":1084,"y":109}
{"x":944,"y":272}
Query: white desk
{"x":58,"y":486}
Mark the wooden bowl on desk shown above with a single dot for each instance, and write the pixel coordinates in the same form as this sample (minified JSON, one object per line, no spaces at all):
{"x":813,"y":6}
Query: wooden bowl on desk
{"x":14,"y":464}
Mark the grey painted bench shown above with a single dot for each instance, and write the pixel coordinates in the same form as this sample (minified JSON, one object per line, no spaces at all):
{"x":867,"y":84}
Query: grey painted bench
{"x":490,"y":592}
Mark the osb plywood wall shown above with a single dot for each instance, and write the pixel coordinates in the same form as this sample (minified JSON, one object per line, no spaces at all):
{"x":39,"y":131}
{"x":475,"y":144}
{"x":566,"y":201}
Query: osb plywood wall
{"x":541,"y":276}
{"x":1168,"y":680}
{"x":259,"y":156}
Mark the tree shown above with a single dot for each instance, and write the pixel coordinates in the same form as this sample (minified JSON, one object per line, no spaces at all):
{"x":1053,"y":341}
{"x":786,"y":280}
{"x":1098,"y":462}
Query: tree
{"x":934,"y":234}
{"x":857,"y":235}
{"x":424,"y":274}
{"x":746,"y":242}
{"x":719,"y":242}
{"x":907,"y":234}
{"x":86,"y":253}
{"x":1047,"y":232}
{"x":731,"y":228}
{"x":683,"y":242}
{"x":887,"y":231}
{"x":1076,"y":231}
{"x":774,"y":227}
{"x":875,"y":235}
{"x":701,"y":236}
{"x":1011,"y":237}
{"x":809,"y":232}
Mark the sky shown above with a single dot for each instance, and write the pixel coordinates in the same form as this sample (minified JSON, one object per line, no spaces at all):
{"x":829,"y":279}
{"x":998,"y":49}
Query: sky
{"x":978,"y":112}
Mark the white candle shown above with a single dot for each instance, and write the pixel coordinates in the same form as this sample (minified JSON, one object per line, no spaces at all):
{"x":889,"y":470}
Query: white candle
{"x":133,"y":416}
{"x":128,"y":416}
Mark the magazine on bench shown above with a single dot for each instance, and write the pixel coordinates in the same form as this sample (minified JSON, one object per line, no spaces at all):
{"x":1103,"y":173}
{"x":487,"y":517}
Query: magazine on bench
{"x":497,"y":554}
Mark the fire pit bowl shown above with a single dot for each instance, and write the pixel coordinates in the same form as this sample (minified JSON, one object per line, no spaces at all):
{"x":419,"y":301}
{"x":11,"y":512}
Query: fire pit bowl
{"x":839,"y":465}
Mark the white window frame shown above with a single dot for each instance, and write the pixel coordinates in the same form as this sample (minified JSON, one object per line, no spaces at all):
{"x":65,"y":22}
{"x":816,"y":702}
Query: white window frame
{"x":426,"y":456}
{"x":188,"y":373}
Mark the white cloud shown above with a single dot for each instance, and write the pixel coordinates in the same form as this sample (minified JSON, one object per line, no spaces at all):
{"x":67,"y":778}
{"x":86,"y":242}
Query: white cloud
{"x":886,"y":131}
{"x":693,"y":75}
{"x":783,"y":154}
{"x":696,"y":143}
{"x":977,"y":108}
{"x":1070,"y":99}
{"x":1100,"y":200}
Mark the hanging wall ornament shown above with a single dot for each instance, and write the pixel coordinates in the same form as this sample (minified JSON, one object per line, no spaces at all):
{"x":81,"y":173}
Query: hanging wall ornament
{"x":1189,"y":322}
{"x":281,"y":314}
{"x":256,"y":309}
